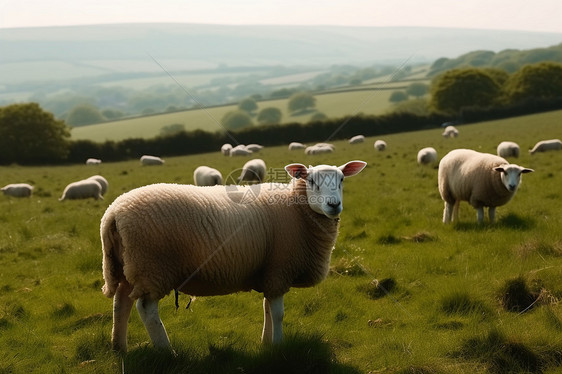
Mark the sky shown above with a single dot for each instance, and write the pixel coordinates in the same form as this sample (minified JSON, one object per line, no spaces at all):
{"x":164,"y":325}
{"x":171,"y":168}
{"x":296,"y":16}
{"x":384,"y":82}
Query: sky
{"x":527,"y":15}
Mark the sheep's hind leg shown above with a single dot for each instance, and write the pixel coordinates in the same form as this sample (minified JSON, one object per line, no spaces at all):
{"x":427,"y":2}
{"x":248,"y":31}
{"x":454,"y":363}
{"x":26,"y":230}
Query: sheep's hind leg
{"x":492,"y":214}
{"x":480,"y":214}
{"x":148,"y":311}
{"x":273,"y":311}
{"x":447,"y":212}
{"x":122,"y":305}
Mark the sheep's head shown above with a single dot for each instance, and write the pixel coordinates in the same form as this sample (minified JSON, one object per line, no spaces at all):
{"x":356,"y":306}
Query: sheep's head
{"x":324,"y":184}
{"x":511,"y":175}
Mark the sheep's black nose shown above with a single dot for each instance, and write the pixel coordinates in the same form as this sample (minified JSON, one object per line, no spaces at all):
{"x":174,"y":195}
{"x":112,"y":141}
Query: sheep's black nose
{"x":512,"y":187}
{"x":333,"y":205}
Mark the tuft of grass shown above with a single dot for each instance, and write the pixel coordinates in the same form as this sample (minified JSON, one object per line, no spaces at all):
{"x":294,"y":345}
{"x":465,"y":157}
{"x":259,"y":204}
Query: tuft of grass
{"x":350,"y":267}
{"x":461,"y":302}
{"x":539,"y":247}
{"x":377,"y":289}
{"x":388,"y":239}
{"x":63,"y":311}
{"x":420,"y":237}
{"x":515,"y":295}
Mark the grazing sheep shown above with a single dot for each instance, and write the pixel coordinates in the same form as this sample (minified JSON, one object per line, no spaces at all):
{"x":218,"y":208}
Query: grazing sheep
{"x":225,"y":149}
{"x":450,"y":132}
{"x":199,"y":241}
{"x":380,"y":145}
{"x":508,"y":149}
{"x":102,"y":181}
{"x":427,"y":156}
{"x":482,"y":179}
{"x":93,"y":161}
{"x":82,"y":190}
{"x":319,"y":148}
{"x":151,"y":160}
{"x":295,"y":145}
{"x":240,"y":150}
{"x":206,"y":176}
{"x":357,"y":139}
{"x":253,"y":170}
{"x":546,"y":145}
{"x":254,"y":147}
{"x":17,"y":190}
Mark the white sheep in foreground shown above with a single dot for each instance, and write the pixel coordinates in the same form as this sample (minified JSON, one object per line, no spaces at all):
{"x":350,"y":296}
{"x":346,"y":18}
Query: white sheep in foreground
{"x":427,"y":156}
{"x":380,"y":145}
{"x":199,"y":241}
{"x":102,"y":181}
{"x":240,"y":150}
{"x":482,"y":179}
{"x":83,"y":189}
{"x":93,"y":161}
{"x":296,"y":145}
{"x":17,"y":190}
{"x":151,"y":160}
{"x":357,"y":139}
{"x":225,"y":149}
{"x":508,"y":149}
{"x":450,"y":132}
{"x":206,"y":176}
{"x":253,"y":170}
{"x":254,"y":147}
{"x":546,"y":145}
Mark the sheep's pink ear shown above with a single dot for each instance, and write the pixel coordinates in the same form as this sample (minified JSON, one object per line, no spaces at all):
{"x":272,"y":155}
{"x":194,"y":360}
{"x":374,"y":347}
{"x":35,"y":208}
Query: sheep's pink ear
{"x":297,"y":170}
{"x":527,"y":170}
{"x":352,"y":168}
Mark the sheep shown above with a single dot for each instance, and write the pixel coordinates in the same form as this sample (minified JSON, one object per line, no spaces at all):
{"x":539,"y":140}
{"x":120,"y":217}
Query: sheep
{"x":102,"y":181}
{"x":357,"y":139}
{"x":206,"y":176}
{"x":481,"y":179}
{"x":225,"y":149}
{"x":93,"y":161}
{"x":199,"y":241}
{"x":82,"y":190}
{"x":295,"y":145}
{"x":380,"y":145}
{"x":17,"y":190}
{"x":450,"y":132}
{"x":254,"y":147}
{"x":319,"y":148}
{"x":151,"y":160}
{"x":508,"y":149}
{"x":427,"y":156}
{"x":546,"y":145}
{"x":253,"y":170}
{"x":240,"y":150}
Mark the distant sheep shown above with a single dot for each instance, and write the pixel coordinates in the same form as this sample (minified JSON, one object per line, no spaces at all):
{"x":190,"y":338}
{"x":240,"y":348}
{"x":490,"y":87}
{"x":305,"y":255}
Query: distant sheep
{"x":508,"y":149}
{"x":83,"y":189}
{"x":17,"y":190}
{"x":450,"y":132}
{"x":254,"y":147}
{"x":357,"y":139}
{"x":225,"y":149}
{"x":151,"y":160}
{"x":295,"y":145}
{"x":427,"y":156}
{"x":482,"y":179}
{"x":547,"y":145}
{"x":93,"y":161}
{"x":253,"y":170}
{"x":380,"y":145}
{"x":206,"y":176}
{"x":240,"y":150}
{"x":197,"y":240}
{"x":102,"y":181}
{"x":319,"y":148}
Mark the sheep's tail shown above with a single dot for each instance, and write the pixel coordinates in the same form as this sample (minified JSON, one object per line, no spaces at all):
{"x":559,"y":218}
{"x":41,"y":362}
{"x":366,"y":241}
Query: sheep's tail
{"x":112,"y":263}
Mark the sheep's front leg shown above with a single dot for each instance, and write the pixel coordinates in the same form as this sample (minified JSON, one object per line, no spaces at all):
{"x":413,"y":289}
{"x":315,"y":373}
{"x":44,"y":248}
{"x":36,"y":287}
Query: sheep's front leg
{"x":273,"y":311}
{"x":492,"y":214}
{"x":148,"y":311}
{"x":480,"y":214}
{"x":447,"y":212}
{"x":122,"y":305}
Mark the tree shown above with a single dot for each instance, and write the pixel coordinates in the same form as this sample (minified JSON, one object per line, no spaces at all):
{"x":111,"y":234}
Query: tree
{"x":417,"y":89}
{"x":398,"y":96}
{"x":84,"y":114}
{"x":236,"y":120}
{"x":301,"y":101}
{"x":543,"y":80}
{"x":172,"y":129}
{"x":248,"y":105}
{"x":29,"y":135}
{"x":458,"y":88}
{"x":269,"y":116}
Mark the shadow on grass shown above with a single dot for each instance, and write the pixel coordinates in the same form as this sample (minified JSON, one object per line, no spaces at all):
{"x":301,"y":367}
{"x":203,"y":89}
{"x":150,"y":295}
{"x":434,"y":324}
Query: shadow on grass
{"x":297,"y":354}
{"x":511,"y":221}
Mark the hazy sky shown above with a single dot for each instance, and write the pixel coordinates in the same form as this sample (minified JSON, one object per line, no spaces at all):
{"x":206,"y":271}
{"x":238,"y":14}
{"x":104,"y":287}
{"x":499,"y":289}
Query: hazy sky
{"x":531,"y":15}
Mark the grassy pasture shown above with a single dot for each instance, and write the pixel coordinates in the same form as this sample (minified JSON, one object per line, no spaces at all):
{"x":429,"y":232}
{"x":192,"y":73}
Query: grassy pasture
{"x":332,"y":105}
{"x":406,"y":294}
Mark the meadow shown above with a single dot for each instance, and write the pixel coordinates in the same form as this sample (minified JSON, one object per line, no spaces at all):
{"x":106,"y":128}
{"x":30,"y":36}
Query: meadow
{"x":405,"y":294}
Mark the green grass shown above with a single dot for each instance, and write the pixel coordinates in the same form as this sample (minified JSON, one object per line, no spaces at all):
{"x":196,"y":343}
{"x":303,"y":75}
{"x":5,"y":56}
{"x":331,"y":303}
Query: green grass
{"x":407,"y":294}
